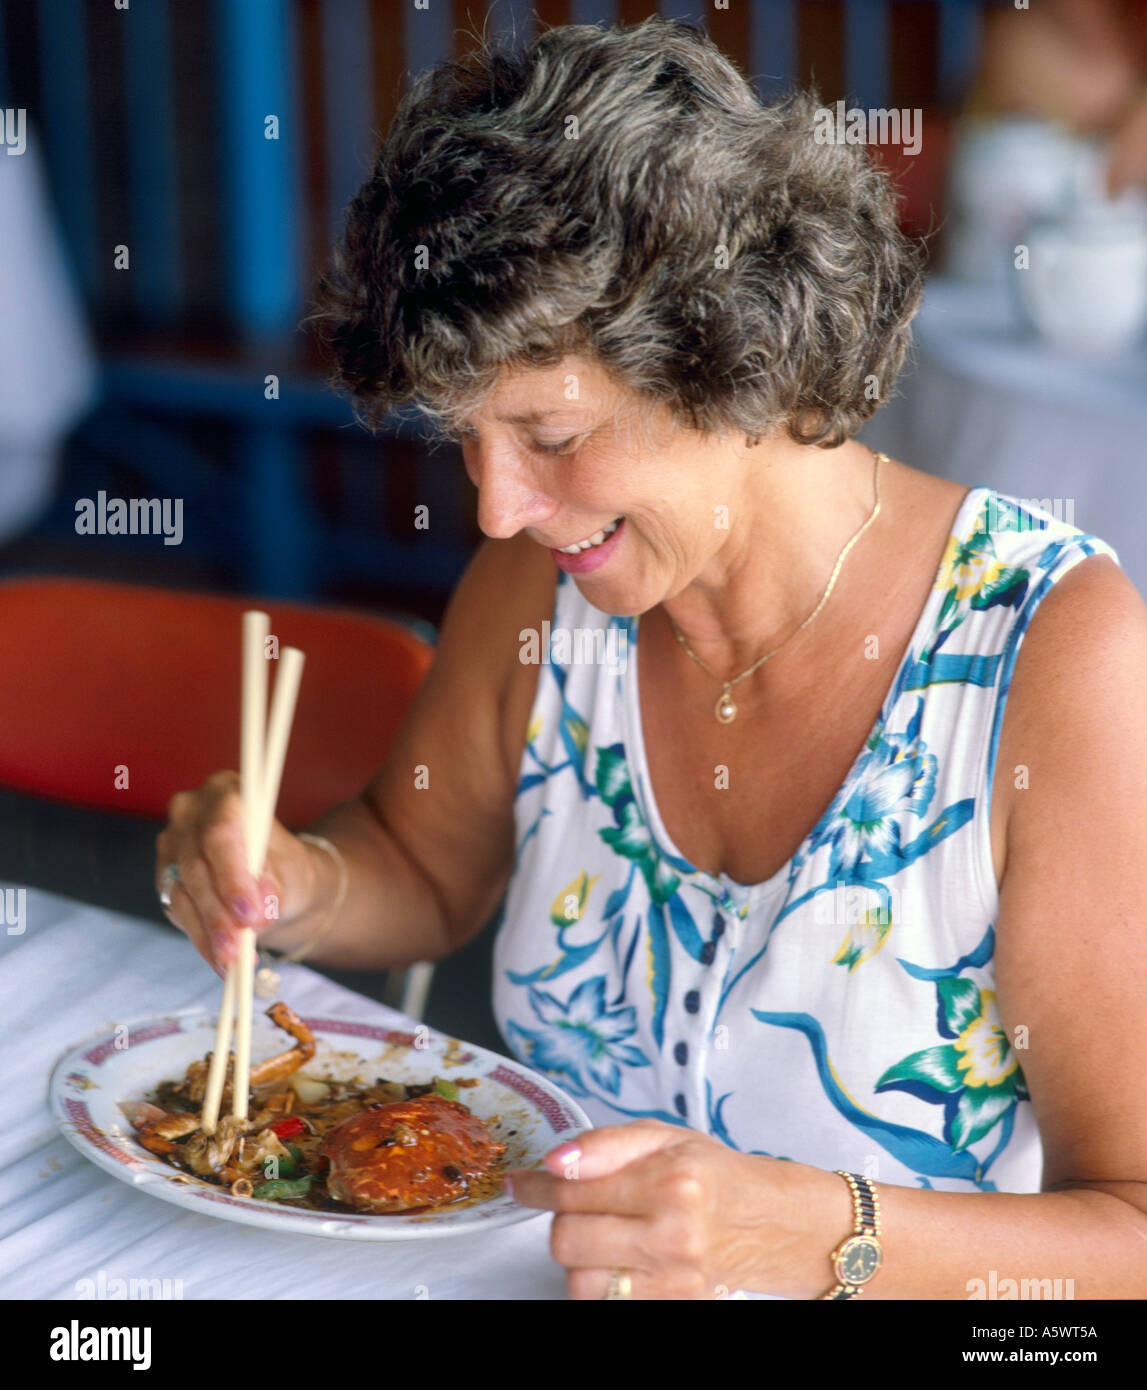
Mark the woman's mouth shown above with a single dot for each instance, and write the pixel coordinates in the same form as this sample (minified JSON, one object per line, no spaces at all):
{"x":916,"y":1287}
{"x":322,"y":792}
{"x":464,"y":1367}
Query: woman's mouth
{"x":591,"y":553}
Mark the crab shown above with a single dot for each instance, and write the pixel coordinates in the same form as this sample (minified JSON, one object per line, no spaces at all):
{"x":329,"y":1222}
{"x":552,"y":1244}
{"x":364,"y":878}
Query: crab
{"x":408,"y":1153}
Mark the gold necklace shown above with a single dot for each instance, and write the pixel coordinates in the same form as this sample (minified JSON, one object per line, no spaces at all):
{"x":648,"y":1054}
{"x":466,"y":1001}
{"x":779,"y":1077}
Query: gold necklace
{"x":725,"y":708}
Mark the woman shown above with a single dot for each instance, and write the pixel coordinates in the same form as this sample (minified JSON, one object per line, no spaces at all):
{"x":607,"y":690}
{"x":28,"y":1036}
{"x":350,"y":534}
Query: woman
{"x":1056,"y":118}
{"x":1080,"y":64}
{"x":656,"y":312}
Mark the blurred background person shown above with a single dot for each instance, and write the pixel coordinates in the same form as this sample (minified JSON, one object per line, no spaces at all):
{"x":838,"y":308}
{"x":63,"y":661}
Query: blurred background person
{"x":1056,"y":115}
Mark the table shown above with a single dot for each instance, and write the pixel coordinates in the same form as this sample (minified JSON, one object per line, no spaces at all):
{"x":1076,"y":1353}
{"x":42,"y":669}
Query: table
{"x":76,"y":969}
{"x":982,"y":400}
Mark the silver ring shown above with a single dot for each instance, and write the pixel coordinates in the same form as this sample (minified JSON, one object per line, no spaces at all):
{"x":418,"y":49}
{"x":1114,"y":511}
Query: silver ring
{"x":168,"y":879}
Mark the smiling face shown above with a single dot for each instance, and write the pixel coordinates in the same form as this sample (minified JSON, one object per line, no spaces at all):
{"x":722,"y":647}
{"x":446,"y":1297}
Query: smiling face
{"x":567,"y":471}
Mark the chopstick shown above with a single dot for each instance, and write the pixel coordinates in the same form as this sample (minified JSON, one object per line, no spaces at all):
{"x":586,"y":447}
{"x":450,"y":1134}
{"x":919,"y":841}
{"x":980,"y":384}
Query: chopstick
{"x":252,"y":789}
{"x":260,"y":773}
{"x":259,"y":832}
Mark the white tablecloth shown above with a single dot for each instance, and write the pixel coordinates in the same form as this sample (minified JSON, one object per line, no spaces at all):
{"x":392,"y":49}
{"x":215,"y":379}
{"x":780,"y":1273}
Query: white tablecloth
{"x":77,"y":969}
{"x":985,"y":401}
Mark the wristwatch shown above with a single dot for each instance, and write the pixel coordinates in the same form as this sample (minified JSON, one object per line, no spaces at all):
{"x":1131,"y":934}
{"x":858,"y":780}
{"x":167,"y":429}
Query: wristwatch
{"x":857,"y":1258}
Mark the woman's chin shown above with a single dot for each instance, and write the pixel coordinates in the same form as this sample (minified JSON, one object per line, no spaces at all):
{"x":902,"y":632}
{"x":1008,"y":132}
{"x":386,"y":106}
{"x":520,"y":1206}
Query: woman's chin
{"x":612,"y":594}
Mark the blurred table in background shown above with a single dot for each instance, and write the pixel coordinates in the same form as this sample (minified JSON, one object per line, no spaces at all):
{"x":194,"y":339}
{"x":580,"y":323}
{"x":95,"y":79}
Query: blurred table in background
{"x":982,"y":400}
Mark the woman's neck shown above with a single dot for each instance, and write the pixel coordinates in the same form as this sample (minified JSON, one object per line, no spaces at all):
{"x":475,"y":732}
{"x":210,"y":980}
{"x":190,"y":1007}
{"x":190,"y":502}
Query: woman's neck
{"x":800,"y":508}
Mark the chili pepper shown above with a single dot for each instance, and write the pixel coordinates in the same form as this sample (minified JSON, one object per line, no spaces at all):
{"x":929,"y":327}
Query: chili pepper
{"x":287,"y":1128}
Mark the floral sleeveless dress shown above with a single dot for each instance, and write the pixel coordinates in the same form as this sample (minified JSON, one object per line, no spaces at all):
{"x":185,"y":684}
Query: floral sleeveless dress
{"x":843,"y":1013}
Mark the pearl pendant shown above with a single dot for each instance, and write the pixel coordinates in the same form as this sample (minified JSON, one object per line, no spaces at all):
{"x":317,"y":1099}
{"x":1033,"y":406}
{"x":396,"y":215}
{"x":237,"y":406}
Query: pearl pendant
{"x":726,"y":710}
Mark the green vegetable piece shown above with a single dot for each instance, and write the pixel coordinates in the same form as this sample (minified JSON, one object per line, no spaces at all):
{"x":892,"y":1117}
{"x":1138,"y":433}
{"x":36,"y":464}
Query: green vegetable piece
{"x":446,"y":1088}
{"x":291,"y":1162}
{"x":281,"y":1189}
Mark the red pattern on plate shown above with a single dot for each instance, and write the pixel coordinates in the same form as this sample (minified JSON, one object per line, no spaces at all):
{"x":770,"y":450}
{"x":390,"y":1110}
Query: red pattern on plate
{"x":559,"y":1118}
{"x":295,"y":1211}
{"x":103,"y":1050}
{"x":359,"y":1030}
{"x":81,"y":1117}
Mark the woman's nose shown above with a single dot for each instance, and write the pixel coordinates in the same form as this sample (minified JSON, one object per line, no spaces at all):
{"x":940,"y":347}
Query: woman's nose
{"x":508,"y":496}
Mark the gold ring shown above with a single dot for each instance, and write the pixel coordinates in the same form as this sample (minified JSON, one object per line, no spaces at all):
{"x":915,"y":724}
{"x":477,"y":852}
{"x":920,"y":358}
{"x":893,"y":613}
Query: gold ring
{"x":620,"y":1284}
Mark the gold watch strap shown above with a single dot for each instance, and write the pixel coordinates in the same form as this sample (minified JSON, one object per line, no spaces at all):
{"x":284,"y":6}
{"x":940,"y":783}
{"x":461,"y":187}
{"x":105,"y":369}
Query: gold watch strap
{"x":866,"y":1222}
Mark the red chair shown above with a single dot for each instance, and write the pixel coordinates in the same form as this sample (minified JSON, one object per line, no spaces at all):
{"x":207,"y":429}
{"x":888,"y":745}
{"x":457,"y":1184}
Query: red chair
{"x":922,"y":179}
{"x":116,"y":696}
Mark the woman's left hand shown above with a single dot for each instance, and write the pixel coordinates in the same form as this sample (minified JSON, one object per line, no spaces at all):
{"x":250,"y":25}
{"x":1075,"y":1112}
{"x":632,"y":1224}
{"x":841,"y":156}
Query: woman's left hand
{"x":679,"y":1212}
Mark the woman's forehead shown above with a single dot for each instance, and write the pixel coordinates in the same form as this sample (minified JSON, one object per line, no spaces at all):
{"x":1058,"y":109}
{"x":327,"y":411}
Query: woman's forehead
{"x":569,"y":390}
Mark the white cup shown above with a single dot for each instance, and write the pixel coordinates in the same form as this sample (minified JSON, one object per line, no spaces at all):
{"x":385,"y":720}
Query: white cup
{"x":1086,"y":283}
{"x":1005,"y":172}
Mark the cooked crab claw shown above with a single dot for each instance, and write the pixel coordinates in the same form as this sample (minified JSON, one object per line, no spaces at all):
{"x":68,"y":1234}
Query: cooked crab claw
{"x":141,"y":1112}
{"x":266,"y":1073}
{"x":276,"y":1068}
{"x":157,"y":1130}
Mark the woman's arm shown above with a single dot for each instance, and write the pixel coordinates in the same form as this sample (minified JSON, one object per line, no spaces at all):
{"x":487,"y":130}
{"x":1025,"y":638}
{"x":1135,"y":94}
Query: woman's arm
{"x":429,"y":845}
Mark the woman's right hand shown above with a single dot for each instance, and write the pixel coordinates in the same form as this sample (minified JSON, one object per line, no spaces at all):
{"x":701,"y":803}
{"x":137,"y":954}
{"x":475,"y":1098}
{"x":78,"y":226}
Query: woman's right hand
{"x":216,"y":896}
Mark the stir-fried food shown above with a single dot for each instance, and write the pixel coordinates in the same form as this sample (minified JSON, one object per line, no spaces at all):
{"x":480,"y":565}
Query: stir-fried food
{"x":328,"y":1145}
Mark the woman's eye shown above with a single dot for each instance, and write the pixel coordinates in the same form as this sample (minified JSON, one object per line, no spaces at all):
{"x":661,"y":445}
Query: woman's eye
{"x":536,"y":445}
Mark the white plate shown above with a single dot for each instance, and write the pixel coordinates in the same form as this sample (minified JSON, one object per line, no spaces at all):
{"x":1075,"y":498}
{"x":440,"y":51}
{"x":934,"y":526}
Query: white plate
{"x":527,"y":1113}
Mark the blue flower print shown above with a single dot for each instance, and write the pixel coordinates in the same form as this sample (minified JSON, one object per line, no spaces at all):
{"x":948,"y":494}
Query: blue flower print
{"x":581,"y":1037}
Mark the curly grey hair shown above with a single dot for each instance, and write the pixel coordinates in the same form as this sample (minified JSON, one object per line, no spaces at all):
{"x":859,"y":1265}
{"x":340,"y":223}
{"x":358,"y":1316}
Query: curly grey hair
{"x":620,"y":193}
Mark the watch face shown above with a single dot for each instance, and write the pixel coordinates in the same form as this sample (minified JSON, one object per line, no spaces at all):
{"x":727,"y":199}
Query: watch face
{"x":859,"y":1259}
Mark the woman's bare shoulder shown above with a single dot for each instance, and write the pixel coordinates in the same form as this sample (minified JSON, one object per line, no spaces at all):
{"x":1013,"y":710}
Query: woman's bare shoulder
{"x":1084,"y":623}
{"x":1080,"y":673}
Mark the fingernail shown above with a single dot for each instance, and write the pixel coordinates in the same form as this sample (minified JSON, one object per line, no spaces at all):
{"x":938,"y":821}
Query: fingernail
{"x":222,"y":946}
{"x":242,"y":909}
{"x":509,"y":1187}
{"x":567,"y":1154}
